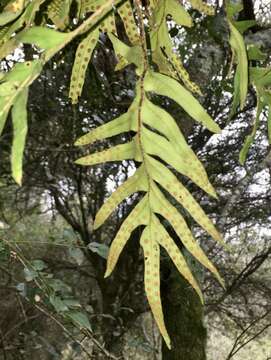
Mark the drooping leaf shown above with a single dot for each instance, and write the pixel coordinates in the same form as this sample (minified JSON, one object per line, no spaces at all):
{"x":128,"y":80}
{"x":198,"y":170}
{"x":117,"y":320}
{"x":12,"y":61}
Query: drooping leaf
{"x":158,"y":146}
{"x":126,"y":13}
{"x":19,"y":119}
{"x":23,"y":74}
{"x":250,"y":138}
{"x":175,"y":254}
{"x":162,"y":175}
{"x":162,"y":206}
{"x":239,"y":51}
{"x":152,"y":278}
{"x":138,"y":216}
{"x":82,"y":57}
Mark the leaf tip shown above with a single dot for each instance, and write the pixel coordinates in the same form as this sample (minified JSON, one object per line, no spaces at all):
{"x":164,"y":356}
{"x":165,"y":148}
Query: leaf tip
{"x":107,"y":273}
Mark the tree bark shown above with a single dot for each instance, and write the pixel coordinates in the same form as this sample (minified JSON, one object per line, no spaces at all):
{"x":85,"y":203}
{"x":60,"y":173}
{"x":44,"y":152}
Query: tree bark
{"x":183,"y":313}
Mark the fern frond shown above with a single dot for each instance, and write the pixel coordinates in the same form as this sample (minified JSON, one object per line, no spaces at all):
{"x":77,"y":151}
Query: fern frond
{"x":157,"y":135}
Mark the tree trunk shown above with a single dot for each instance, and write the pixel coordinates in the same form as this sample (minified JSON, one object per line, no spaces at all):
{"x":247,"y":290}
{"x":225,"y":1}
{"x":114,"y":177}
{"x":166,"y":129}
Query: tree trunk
{"x":183,"y":313}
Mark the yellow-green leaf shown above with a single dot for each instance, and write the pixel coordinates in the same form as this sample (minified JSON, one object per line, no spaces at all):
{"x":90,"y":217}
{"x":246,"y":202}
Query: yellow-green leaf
{"x":112,"y":128}
{"x":161,"y":174}
{"x":162,"y":206}
{"x":19,"y":120}
{"x":137,"y":182}
{"x":138,"y":216}
{"x":157,"y":145}
{"x":126,"y":13}
{"x":175,"y":254}
{"x":152,"y":278}
{"x":165,"y":86}
{"x":239,"y":49}
{"x":82,"y":58}
{"x":117,"y":153}
{"x":58,"y":12}
{"x":42,"y":37}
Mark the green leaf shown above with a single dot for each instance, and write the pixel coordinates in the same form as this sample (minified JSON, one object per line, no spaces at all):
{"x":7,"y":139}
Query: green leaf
{"x":59,"y":286}
{"x":82,"y":58}
{"x":152,"y":278}
{"x":23,"y":74}
{"x":38,"y":265}
{"x":269,"y":123}
{"x":11,"y":11}
{"x":42,"y":37}
{"x":19,"y":120}
{"x":250,"y":138}
{"x":260,"y":77}
{"x":162,"y":175}
{"x":132,"y":54}
{"x":244,"y":25}
{"x":8,"y":88}
{"x":79,"y":318}
{"x":112,"y":128}
{"x":239,"y":50}
{"x":58,"y":303}
{"x":138,"y":216}
{"x":157,"y":145}
{"x":58,"y":12}
{"x":117,"y":153}
{"x":255,"y":53}
{"x":175,"y":254}
{"x":137,"y":182}
{"x":165,"y":86}
{"x":168,"y":127}
{"x":30,"y":274}
{"x":178,"y":13}
{"x":126,"y":13}
{"x":233,"y":8}
{"x":100,"y":249}
{"x":7,"y":16}
{"x":163,"y":207}
{"x":236,"y":93}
